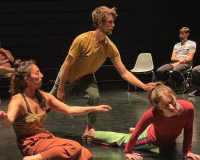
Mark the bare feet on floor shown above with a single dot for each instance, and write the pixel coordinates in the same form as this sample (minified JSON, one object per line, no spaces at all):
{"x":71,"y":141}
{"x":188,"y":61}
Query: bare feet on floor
{"x":131,"y":129}
{"x":90,"y":134}
{"x":88,"y":128}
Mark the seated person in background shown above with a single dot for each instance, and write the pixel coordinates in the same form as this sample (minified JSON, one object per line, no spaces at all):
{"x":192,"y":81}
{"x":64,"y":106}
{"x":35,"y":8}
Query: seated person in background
{"x":181,"y":58}
{"x":27,"y":113}
{"x":195,"y":81}
{"x":5,"y":59}
{"x":160,"y":126}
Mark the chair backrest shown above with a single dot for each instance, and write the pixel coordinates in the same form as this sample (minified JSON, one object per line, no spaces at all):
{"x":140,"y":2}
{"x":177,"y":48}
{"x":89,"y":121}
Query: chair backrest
{"x":144,"y":62}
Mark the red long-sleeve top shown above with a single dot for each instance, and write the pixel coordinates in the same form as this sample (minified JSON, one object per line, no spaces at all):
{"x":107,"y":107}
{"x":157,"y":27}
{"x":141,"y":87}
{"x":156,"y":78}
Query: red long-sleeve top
{"x":163,"y":131}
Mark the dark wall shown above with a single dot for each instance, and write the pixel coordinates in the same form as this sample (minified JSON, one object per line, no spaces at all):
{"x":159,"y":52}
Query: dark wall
{"x":44,"y":30}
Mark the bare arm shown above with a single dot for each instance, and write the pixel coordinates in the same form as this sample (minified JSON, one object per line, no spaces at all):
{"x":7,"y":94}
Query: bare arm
{"x":63,"y":77}
{"x":187,"y":141}
{"x":143,"y":123}
{"x":128,"y":76}
{"x":181,"y":60}
{"x":7,"y":54}
{"x":13,"y":110}
{"x":174,"y":58}
{"x":58,"y":106}
{"x":190,"y":57}
{"x":4,"y":70}
{"x":3,"y":61}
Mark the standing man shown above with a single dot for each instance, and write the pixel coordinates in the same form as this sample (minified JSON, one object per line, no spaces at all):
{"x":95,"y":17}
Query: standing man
{"x":86,"y":55}
{"x":181,"y":58}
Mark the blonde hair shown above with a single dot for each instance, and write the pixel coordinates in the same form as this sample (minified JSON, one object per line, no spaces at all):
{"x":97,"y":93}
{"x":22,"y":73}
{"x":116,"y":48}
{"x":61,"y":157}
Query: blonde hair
{"x":155,"y":93}
{"x":184,"y":29}
{"x":99,"y":14}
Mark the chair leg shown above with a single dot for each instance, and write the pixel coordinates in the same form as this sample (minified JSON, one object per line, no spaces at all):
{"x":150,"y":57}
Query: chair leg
{"x":128,"y":87}
{"x":153,"y":77}
{"x":188,"y":78}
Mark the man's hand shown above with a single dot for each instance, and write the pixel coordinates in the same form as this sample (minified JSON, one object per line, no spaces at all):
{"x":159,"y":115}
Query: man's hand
{"x":175,"y":64}
{"x":148,"y":86}
{"x":181,"y":60}
{"x":61,"y":95}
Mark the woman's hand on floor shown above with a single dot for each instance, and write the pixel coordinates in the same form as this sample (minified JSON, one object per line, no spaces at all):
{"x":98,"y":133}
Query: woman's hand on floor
{"x":135,"y":156}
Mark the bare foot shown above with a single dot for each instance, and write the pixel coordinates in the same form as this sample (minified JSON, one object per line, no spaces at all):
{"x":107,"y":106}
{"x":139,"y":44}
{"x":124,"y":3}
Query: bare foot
{"x":131,"y":129}
{"x":88,"y":128}
{"x":90,"y":134}
{"x":34,"y":157}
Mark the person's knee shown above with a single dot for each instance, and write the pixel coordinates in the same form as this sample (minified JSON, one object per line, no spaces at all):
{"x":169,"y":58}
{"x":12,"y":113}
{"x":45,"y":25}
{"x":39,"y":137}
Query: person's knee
{"x":94,"y":96}
{"x":77,"y":146}
{"x":159,"y":70}
{"x":195,"y":70}
{"x":73,"y":150}
{"x":85,"y":154}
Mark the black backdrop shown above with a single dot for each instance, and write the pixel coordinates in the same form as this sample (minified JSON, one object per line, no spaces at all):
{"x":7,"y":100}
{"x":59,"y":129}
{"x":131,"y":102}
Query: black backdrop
{"x":44,"y":30}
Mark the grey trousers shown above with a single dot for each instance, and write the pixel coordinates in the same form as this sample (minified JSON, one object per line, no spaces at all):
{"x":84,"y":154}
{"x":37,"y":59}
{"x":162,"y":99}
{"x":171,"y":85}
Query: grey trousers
{"x":196,"y":76}
{"x":163,"y":71}
{"x":89,"y":85}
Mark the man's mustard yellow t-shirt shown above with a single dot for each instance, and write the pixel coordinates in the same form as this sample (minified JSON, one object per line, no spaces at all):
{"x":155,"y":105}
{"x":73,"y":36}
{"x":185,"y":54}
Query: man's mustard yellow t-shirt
{"x":89,"y":56}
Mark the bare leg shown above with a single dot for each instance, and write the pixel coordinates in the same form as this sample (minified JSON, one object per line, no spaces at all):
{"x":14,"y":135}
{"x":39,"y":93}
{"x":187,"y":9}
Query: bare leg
{"x":131,"y":129}
{"x":88,"y":128}
{"x":34,"y":157}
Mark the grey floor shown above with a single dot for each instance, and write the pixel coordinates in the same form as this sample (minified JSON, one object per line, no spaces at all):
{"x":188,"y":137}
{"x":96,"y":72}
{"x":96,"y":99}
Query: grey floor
{"x":128,"y":107}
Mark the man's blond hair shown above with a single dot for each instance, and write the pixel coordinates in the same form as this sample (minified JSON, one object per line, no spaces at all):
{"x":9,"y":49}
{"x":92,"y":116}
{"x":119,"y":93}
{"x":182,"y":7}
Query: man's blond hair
{"x":157,"y":91}
{"x":99,"y":14}
{"x":184,"y":29}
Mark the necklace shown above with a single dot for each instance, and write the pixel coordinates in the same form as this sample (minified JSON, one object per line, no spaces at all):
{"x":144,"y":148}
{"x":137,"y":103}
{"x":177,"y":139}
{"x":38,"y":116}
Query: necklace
{"x":34,"y":97}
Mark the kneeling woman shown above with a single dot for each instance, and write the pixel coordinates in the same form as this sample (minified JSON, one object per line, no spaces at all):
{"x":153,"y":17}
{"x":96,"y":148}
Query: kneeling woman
{"x":159,"y":126}
{"x":27,"y":113}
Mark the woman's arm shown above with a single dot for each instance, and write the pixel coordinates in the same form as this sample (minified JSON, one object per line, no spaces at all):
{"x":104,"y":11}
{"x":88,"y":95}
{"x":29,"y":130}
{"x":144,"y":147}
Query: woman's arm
{"x":188,"y":131}
{"x":143,"y":123}
{"x":8,"y":118}
{"x":7,"y":54}
{"x":59,"y":106}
